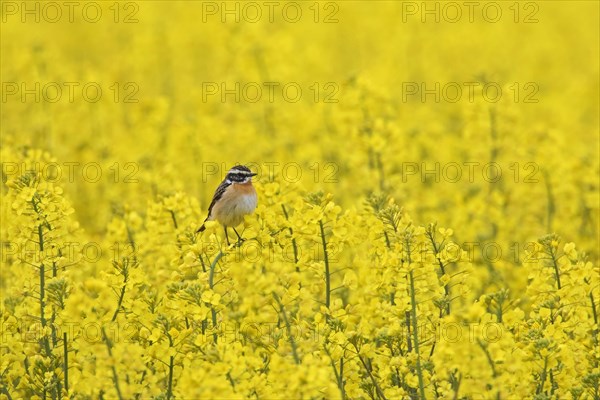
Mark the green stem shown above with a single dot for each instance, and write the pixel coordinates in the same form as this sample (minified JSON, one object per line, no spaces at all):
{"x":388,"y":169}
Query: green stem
{"x":595,"y":331}
{"x":326,"y":259}
{"x":396,"y":380}
{"x":113,"y":319}
{"x":415,"y":333}
{"x":169,"y":394}
{"x":369,"y":370}
{"x":552,"y":383}
{"x":408,"y":339}
{"x":211,"y":285}
{"x":555,"y":265}
{"x":339,"y":377}
{"x":455,"y":382}
{"x":122,"y":294}
{"x":594,"y":312}
{"x":170,"y":384}
{"x":551,"y":206}
{"x":540,"y":388}
{"x":342,"y":378}
{"x":294,"y":245}
{"x":173,"y":218}
{"x":379,"y":165}
{"x":66,"y":362}
{"x":494,"y":145}
{"x":211,"y":274}
{"x":230,"y":379}
{"x":288,"y":328}
{"x":45,"y":341}
{"x":436,"y":249}
{"x":115,"y":376}
{"x":4,"y":390}
{"x":489,"y":357}
{"x":387,"y":240}
{"x":413,"y":303}
{"x":132,"y":244}
{"x":44,"y":322}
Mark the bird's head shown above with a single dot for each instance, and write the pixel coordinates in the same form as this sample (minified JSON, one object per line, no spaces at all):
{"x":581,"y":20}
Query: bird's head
{"x":240,"y":174}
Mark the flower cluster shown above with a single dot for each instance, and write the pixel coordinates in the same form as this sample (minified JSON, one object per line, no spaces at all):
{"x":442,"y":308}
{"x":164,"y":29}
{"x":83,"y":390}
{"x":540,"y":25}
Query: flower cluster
{"x":311,"y":304}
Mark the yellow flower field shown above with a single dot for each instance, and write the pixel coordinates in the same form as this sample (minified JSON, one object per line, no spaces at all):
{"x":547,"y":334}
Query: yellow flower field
{"x":428,"y":193}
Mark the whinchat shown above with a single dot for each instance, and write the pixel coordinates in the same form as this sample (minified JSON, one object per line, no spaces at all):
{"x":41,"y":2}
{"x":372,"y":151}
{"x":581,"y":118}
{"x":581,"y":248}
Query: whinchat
{"x":234,"y":198}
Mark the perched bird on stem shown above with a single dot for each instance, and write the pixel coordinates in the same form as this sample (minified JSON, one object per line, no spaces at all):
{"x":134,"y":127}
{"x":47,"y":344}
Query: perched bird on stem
{"x":234,"y":198}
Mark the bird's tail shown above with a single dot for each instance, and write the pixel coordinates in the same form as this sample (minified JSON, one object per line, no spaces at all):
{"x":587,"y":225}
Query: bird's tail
{"x":202,"y":228}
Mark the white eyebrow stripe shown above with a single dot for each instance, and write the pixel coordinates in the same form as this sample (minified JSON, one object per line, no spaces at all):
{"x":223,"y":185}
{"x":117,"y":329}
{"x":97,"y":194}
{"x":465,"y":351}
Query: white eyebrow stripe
{"x":239,"y":171}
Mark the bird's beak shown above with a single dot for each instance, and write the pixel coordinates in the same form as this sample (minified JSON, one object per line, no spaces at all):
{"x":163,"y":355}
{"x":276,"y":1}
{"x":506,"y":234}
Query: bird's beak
{"x":253,"y":174}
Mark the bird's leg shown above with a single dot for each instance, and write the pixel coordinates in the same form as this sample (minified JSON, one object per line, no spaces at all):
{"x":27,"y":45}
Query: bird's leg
{"x":226,"y":236}
{"x":240,"y":239}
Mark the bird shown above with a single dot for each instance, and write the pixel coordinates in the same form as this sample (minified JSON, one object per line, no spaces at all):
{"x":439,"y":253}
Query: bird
{"x":234,"y":198}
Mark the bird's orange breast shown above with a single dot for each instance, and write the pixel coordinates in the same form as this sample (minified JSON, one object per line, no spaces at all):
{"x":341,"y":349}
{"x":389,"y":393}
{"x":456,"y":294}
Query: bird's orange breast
{"x":237,"y":201}
{"x":243,"y":188}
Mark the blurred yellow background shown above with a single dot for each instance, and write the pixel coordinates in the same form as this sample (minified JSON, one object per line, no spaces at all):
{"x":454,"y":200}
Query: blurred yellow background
{"x":368,"y":57}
